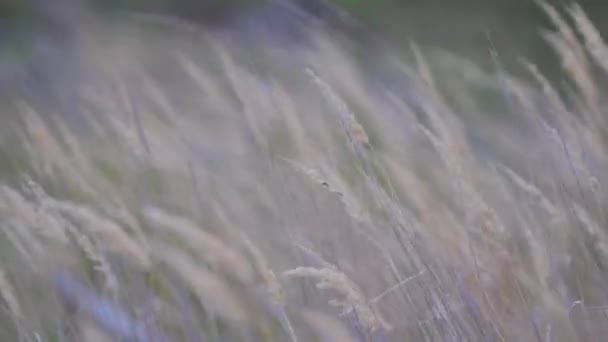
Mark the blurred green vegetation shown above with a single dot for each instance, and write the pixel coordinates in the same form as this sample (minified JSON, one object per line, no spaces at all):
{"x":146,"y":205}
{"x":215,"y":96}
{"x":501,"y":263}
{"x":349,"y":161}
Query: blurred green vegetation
{"x":470,"y":28}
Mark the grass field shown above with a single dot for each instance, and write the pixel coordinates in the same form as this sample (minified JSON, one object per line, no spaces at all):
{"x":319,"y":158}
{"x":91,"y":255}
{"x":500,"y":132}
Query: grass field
{"x":172,"y":185}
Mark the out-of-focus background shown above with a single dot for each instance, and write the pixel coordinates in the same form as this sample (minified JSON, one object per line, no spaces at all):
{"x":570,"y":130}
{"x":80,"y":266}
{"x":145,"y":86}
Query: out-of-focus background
{"x":467,"y":27}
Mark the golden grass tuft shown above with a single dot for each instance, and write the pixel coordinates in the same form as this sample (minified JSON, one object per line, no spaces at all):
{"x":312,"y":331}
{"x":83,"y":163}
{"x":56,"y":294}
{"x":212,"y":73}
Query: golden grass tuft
{"x":212,"y":292}
{"x":219,"y":255}
{"x":353,"y":301}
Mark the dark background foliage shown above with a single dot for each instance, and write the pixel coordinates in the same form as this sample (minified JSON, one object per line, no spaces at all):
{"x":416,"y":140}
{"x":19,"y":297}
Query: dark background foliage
{"x":466,"y":27}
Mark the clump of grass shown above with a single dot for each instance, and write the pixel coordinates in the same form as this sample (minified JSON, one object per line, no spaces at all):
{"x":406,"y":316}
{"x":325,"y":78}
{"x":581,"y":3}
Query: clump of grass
{"x":218,"y":254}
{"x":211,"y":290}
{"x":354,"y":300}
{"x":112,"y":235}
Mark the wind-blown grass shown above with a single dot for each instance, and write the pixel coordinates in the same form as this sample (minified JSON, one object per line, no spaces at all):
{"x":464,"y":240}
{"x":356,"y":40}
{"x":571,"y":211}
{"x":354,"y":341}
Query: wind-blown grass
{"x":290,"y":197}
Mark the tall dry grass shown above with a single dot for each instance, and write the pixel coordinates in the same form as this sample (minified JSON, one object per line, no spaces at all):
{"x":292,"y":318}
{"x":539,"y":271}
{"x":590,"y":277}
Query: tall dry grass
{"x":200,"y":194}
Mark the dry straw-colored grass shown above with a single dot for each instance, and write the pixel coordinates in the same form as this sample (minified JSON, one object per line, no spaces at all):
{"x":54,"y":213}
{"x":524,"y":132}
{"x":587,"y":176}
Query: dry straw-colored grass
{"x":354,"y":300}
{"x":291,"y":197}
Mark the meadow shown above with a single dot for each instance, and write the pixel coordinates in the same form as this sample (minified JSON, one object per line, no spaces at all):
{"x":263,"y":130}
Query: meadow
{"x":175,"y":184}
